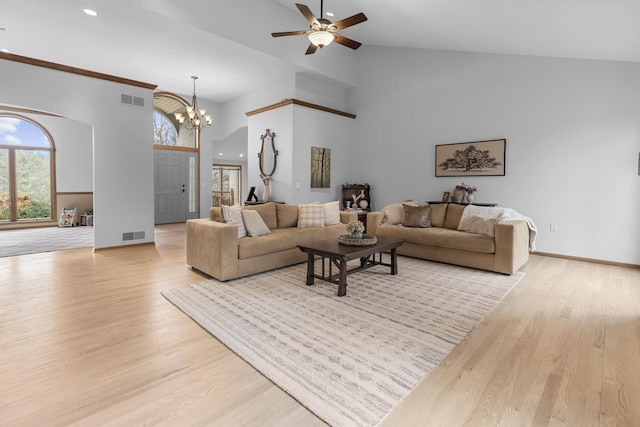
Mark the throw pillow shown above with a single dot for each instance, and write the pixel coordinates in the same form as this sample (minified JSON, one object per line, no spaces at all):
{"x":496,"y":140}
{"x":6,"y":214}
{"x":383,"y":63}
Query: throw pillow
{"x":254,"y":223}
{"x":311,"y":215}
{"x":233,"y":215}
{"x":286,"y":215}
{"x":394,"y":214}
{"x":331,"y":213}
{"x":417,"y":216}
{"x":268,"y":213}
{"x":478,"y":225}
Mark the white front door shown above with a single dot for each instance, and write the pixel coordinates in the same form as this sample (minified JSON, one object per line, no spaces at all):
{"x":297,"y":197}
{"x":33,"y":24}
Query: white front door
{"x":171,"y":186}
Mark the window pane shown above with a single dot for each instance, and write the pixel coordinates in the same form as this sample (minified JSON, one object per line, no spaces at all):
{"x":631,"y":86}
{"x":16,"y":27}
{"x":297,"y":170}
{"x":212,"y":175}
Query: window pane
{"x":33,"y":184}
{"x":192,"y":184}
{"x":164,"y":132}
{"x":22,"y":133}
{"x":5,"y":198}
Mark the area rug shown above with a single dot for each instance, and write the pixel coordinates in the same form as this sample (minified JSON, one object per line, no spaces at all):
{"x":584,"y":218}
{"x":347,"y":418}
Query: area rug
{"x":350,"y":360}
{"x":47,"y":239}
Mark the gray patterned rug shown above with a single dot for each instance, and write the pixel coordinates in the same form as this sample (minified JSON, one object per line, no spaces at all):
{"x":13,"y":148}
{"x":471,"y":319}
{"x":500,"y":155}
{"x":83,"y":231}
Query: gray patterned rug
{"x":350,"y":360}
{"x":47,"y":239}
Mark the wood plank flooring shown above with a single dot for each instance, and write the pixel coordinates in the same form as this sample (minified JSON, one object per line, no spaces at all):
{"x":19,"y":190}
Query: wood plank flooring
{"x":86,"y":339}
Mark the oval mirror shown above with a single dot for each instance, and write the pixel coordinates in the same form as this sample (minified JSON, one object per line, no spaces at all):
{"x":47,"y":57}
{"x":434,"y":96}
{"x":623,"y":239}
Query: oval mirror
{"x":268,"y":154}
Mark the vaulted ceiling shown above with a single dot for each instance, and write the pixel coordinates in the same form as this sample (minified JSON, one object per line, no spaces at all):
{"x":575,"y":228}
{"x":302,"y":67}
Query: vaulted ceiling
{"x":229,"y":46}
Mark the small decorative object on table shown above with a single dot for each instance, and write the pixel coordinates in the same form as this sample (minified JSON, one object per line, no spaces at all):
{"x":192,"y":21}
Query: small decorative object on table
{"x":364,"y":240}
{"x":356,"y":228}
{"x":469,"y":190}
{"x":445,"y":197}
{"x":458,"y":194}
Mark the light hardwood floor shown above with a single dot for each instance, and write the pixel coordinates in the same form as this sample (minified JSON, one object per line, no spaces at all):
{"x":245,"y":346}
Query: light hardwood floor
{"x":87,"y":339}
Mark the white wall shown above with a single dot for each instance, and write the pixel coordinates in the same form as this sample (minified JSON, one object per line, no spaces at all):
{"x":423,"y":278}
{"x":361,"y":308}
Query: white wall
{"x":123,"y":156}
{"x":572,"y":130}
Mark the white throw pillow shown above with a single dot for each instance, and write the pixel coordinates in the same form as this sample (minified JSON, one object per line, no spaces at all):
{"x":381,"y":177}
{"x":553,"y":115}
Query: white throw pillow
{"x":233,"y":215}
{"x":394,"y":214}
{"x":311,"y":215}
{"x":478,"y":225}
{"x":254,"y":223}
{"x":331,"y":213}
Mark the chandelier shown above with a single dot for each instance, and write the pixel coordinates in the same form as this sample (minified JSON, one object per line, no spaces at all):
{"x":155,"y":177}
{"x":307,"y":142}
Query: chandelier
{"x":196,"y":118}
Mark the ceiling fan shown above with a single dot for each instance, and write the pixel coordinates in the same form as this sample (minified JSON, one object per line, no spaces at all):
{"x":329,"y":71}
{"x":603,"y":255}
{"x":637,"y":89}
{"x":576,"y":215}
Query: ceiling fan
{"x":322,"y":32}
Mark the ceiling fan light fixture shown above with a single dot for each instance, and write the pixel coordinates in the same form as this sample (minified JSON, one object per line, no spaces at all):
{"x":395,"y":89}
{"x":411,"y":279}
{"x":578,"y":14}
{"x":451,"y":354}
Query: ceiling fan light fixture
{"x":321,"y":38}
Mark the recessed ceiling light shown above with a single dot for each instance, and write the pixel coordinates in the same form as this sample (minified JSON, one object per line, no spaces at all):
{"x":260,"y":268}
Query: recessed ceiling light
{"x":90,"y":12}
{"x":241,"y":155}
{"x":220,"y":154}
{"x":329,"y":13}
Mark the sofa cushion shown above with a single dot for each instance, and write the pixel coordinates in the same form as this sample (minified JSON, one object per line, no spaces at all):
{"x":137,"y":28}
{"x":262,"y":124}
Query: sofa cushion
{"x":454,"y":213}
{"x":283,"y":239}
{"x":268,"y":213}
{"x":438,"y":214}
{"x":417,"y":216}
{"x":253,"y":223}
{"x":331,"y":213}
{"x":440,"y":237}
{"x":233,"y":215}
{"x":286,"y":215}
{"x":311,"y":215}
{"x":394,"y":214}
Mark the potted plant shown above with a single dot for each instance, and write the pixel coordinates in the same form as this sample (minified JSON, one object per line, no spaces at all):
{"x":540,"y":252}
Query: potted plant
{"x":356,"y":228}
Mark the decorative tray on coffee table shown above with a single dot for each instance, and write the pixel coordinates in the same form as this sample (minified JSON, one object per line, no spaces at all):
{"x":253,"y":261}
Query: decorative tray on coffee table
{"x":365,"y":240}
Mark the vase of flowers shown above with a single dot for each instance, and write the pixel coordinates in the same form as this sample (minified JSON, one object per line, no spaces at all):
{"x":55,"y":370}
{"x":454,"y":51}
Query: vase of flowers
{"x":470,"y":190}
{"x":356,"y":228}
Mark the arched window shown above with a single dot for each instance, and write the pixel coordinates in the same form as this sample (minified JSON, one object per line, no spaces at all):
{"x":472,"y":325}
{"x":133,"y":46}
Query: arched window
{"x":26,"y":170}
{"x":164,"y":132}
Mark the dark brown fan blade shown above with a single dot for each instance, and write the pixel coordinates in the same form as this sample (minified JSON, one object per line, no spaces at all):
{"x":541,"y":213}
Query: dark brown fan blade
{"x":347,"y":42}
{"x":352,"y":20}
{"x":311,"y":49}
{"x":307,"y":14}
{"x":288,"y":33}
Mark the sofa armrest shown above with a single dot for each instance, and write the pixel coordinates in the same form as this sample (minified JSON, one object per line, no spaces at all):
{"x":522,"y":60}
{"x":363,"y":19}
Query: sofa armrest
{"x":347,"y":217}
{"x":212,"y":247}
{"x":512,"y":246}
{"x":374,"y":219}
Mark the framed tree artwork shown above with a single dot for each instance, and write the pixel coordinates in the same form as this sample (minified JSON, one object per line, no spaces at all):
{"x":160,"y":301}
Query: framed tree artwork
{"x":480,"y":158}
{"x":320,"y":167}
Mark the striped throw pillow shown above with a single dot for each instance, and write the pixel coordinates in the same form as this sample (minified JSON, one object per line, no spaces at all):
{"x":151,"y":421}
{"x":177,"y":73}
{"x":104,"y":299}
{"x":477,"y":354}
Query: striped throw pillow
{"x":311,"y":215}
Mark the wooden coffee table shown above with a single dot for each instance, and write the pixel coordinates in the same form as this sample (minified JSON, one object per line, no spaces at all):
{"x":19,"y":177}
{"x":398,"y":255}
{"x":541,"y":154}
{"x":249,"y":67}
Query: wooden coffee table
{"x":339,"y":255}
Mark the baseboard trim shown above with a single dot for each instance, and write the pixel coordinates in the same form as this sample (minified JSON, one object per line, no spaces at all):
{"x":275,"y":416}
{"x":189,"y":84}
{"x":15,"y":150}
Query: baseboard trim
{"x":124,"y":246}
{"x":591,"y":260}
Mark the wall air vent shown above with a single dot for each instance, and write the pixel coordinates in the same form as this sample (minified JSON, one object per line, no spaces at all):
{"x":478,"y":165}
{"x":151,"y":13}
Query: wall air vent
{"x":136,"y":101}
{"x":134,"y":235}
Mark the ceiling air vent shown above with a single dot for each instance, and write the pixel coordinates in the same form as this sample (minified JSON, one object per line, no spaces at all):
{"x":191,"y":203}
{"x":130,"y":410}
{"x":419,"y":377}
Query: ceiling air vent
{"x":131,"y":100}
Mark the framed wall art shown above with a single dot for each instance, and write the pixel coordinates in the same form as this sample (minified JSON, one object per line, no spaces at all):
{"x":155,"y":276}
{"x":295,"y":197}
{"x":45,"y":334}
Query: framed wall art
{"x":320,"y":167}
{"x":480,"y":158}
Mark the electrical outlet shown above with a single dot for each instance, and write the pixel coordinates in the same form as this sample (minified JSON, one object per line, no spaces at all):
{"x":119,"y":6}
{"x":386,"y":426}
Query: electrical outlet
{"x":553,"y":227}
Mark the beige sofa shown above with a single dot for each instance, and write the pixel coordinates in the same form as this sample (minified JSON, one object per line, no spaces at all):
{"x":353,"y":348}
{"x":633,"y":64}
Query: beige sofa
{"x":213,"y":247}
{"x":504,"y":253}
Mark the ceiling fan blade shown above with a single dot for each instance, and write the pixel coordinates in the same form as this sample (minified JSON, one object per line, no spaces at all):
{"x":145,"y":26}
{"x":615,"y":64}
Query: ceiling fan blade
{"x":347,"y":42}
{"x":311,"y":49}
{"x":288,"y":33}
{"x":307,"y":14}
{"x":352,"y":20}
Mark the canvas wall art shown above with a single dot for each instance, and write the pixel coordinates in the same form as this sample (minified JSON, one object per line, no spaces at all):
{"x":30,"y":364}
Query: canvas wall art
{"x":320,"y":167}
{"x":480,"y":158}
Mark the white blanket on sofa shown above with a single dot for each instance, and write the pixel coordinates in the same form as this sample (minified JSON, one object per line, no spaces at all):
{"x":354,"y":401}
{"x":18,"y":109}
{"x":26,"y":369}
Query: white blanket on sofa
{"x":499,"y":214}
